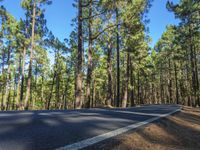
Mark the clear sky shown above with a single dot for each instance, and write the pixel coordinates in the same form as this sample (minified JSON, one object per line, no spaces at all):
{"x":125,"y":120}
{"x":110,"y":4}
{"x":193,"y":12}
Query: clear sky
{"x":160,"y":17}
{"x":61,"y":12}
{"x":58,"y":15}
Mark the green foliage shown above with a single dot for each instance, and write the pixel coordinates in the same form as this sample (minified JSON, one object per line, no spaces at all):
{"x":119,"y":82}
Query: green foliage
{"x":167,"y":73}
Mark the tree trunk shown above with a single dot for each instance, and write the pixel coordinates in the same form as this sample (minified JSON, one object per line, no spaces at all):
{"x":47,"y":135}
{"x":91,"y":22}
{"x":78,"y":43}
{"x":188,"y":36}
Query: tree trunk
{"x":51,"y":92}
{"x":18,"y":84}
{"x":176,"y":82}
{"x":3,"y":78}
{"x":94,"y":94}
{"x":66,"y":87}
{"x":188,"y":83}
{"x":197,"y":77}
{"x":89,"y":71}
{"x":57,"y":102}
{"x":132,"y":84}
{"x":8,"y":79}
{"x":170,"y":83}
{"x":161,"y":86}
{"x":23,"y":77}
{"x":15,"y":86}
{"x":125,"y":99}
{"x":139,"y":88}
{"x":118,"y":60}
{"x":78,"y":93}
{"x":194,"y":75}
{"x":31,"y":58}
{"x":42,"y":91}
{"x":109,"y":70}
{"x":65,"y":95}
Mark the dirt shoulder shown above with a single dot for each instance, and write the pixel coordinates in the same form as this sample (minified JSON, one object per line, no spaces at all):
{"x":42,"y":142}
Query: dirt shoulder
{"x":178,"y":132}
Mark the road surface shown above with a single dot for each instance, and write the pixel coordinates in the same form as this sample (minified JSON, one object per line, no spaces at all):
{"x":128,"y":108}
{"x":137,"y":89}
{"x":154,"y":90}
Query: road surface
{"x":46,"y":130}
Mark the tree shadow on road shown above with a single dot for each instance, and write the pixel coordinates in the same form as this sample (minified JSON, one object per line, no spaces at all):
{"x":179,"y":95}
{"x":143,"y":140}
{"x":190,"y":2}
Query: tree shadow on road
{"x":50,"y":130}
{"x":179,"y":132}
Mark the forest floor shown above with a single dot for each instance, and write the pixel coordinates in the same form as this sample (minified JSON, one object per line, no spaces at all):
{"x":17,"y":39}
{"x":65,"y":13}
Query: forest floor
{"x":178,"y":132}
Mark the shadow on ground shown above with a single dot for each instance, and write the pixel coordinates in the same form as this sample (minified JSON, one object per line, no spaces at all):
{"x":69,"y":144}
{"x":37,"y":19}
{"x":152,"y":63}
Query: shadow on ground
{"x":178,"y":132}
{"x":38,"y":130}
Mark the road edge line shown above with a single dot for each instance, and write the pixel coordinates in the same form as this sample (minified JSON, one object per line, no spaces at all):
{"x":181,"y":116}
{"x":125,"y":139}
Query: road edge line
{"x":91,"y":141}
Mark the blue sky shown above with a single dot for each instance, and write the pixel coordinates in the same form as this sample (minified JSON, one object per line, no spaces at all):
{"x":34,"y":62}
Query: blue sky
{"x":160,"y":17}
{"x":58,"y":15}
{"x":61,"y":12}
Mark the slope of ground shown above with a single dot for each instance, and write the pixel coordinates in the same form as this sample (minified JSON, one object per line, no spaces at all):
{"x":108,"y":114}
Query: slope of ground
{"x":178,"y":132}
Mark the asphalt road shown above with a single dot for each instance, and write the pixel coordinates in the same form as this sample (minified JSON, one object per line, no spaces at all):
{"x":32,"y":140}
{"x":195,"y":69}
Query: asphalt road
{"x":46,"y":130}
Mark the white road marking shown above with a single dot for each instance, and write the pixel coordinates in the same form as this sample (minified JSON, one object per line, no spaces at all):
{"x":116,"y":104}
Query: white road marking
{"x":99,"y":138}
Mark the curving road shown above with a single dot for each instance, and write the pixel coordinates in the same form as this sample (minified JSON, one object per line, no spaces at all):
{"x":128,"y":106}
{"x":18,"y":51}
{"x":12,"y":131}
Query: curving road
{"x":46,"y":130}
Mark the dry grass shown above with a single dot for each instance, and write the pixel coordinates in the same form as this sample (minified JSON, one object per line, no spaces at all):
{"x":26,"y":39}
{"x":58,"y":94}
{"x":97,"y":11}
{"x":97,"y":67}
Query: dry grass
{"x":178,"y":132}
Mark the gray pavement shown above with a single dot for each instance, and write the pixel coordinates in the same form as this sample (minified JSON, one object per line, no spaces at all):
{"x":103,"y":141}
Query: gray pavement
{"x":48,"y":130}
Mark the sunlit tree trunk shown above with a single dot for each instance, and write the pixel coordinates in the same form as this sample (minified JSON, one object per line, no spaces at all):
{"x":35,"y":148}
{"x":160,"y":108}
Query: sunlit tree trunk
{"x":89,"y":71}
{"x":28,"y":90}
{"x":78,"y":93}
{"x":22,"y":78}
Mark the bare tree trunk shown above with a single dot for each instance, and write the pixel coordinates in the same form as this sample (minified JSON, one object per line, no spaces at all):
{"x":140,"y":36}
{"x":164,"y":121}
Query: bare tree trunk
{"x":8,"y":100}
{"x":188,"y":83}
{"x":51,"y":93}
{"x":8,"y":79}
{"x":194,"y":71}
{"x":31,"y":58}
{"x":42,"y":91}
{"x":109,"y":70}
{"x":23,"y":77}
{"x":118,"y":60}
{"x":57,"y":102}
{"x":66,"y":88}
{"x":94,"y":94}
{"x":35,"y":87}
{"x":18,"y":84}
{"x":15,"y":84}
{"x":161,"y":86}
{"x":196,"y":76}
{"x":139,"y":87}
{"x":193,"y":74}
{"x":65,"y":96}
{"x":125,"y":99}
{"x":170,"y":83}
{"x":3,"y":78}
{"x":176,"y":82}
{"x":78,"y":93}
{"x":132,"y":84}
{"x":89,"y":71}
